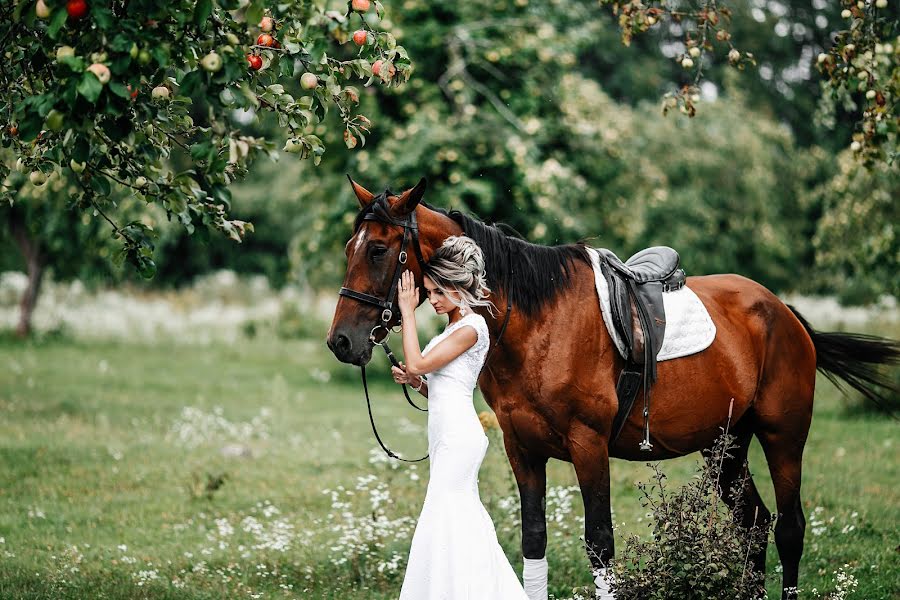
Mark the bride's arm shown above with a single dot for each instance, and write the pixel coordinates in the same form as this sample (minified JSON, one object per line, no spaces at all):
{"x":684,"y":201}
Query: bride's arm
{"x":444,"y":351}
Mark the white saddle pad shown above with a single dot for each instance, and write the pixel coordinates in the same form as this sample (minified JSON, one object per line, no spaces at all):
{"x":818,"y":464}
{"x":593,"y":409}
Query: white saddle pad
{"x":689,"y":328}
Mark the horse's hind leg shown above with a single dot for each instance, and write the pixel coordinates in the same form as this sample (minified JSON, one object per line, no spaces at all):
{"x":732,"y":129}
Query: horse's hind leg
{"x":735,"y":471}
{"x":783,"y":410}
{"x":784,"y":453}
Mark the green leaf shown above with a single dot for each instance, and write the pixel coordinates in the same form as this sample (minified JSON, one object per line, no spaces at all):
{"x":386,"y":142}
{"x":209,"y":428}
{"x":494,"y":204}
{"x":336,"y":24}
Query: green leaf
{"x":147,"y":267}
{"x":82,"y":150}
{"x":201,"y":13}
{"x":286,"y":67}
{"x":103,"y":17}
{"x":254,"y":13}
{"x":76,"y":63}
{"x":200,"y":150}
{"x":191,"y":83}
{"x":100,"y":184}
{"x":30,"y":126}
{"x":56,"y":22}
{"x":90,"y":87}
{"x":118,"y":89}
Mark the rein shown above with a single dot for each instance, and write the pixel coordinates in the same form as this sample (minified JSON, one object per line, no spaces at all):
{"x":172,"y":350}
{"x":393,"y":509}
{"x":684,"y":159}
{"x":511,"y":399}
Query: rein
{"x":409,"y":226}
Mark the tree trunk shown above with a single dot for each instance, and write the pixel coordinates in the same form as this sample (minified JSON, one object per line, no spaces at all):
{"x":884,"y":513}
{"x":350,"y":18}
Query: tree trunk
{"x":34,"y":262}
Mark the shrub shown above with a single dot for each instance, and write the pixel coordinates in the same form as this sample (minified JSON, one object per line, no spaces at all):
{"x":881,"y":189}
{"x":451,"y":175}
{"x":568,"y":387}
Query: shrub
{"x":698,"y":548}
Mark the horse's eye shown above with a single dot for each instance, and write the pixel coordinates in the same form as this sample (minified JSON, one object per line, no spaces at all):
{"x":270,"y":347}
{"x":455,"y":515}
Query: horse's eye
{"x":377,"y":252}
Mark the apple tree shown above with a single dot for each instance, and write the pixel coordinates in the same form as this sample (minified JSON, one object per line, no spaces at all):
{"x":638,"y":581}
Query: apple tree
{"x":146,"y":99}
{"x":860,"y":69}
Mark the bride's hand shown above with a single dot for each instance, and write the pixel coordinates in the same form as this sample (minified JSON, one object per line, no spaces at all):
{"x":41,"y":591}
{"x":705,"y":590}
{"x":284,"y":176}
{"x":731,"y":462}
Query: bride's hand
{"x":400,"y":374}
{"x":407,"y":293}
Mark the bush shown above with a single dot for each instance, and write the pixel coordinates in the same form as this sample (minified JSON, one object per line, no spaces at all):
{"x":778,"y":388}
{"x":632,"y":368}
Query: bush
{"x":698,"y":548}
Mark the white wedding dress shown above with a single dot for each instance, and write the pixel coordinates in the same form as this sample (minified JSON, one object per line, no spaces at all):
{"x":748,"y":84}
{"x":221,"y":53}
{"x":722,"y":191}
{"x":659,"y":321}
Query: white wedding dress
{"x":455,"y":554}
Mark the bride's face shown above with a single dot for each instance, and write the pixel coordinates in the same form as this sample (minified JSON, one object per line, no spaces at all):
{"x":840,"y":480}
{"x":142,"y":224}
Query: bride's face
{"x":439,"y":301}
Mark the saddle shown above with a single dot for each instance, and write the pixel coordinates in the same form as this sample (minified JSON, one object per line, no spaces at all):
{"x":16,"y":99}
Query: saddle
{"x":636,"y":287}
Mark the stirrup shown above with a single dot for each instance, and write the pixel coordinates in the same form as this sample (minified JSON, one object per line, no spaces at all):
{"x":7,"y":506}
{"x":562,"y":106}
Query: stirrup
{"x":645,"y":445}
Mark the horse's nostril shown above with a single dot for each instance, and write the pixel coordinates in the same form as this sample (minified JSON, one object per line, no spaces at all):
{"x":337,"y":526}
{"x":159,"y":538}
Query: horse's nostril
{"x":342,"y":344}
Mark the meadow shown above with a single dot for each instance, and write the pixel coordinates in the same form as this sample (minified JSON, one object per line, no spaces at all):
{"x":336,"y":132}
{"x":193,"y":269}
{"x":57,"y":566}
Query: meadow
{"x":247,"y":468}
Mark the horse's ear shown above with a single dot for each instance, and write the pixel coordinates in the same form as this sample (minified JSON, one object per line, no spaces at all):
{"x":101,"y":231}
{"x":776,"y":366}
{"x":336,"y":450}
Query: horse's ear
{"x":362,"y":194}
{"x":408,"y":200}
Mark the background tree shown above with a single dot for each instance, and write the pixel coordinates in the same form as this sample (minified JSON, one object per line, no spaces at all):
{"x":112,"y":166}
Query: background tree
{"x":148,"y":98}
{"x":537,"y":115}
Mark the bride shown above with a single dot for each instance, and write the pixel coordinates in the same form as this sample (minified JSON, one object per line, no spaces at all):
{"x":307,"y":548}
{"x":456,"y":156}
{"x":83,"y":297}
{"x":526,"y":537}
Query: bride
{"x":454,"y":553}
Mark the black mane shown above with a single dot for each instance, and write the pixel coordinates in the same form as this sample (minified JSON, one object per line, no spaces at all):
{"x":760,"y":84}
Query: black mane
{"x":531,"y":274}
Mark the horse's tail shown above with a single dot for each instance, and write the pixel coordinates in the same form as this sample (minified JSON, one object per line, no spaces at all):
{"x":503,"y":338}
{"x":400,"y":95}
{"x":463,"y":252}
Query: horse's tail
{"x":854,"y":357}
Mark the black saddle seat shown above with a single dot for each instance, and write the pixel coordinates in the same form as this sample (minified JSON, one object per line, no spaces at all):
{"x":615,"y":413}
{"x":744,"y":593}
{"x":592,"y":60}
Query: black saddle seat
{"x":657,"y":263}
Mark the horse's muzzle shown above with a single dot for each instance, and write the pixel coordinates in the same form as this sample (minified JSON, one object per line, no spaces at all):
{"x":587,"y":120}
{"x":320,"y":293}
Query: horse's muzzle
{"x":349,"y":350}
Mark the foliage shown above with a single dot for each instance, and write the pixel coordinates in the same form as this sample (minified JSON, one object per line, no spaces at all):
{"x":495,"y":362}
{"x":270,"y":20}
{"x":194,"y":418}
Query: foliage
{"x":698,"y":548}
{"x":856,"y":241}
{"x":74,"y":243}
{"x":148,"y":98}
{"x":862,"y":66}
{"x":722,"y":189}
{"x":862,"y":71}
{"x":535,"y":114}
{"x":727,"y":194}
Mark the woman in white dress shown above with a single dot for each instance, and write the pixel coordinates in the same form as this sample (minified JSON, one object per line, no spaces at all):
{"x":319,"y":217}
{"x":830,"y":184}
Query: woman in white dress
{"x":454,"y":553}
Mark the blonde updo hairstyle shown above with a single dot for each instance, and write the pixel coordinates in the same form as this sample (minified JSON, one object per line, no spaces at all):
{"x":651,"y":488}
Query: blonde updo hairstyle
{"x":458,"y":266}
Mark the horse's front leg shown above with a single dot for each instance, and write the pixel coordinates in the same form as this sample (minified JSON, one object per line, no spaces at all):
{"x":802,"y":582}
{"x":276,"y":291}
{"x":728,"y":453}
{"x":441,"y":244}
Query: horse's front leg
{"x":531,"y":477}
{"x":590,"y":457}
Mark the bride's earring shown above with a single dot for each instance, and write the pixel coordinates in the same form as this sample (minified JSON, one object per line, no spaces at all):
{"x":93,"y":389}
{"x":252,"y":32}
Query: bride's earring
{"x":462,"y":311}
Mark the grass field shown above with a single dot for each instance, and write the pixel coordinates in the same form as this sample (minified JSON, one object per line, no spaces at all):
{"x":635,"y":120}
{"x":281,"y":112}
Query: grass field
{"x":250,"y":470}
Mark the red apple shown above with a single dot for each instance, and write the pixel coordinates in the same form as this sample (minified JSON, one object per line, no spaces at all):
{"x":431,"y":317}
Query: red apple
{"x":359,"y":37}
{"x":376,"y":69}
{"x":76,"y":8}
{"x":267,"y":24}
{"x":360,"y":5}
{"x":255,"y":62}
{"x":101,"y":71}
{"x":265,"y":40}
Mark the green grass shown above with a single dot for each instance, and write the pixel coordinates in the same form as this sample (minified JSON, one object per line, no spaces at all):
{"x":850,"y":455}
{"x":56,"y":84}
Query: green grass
{"x":86,"y":439}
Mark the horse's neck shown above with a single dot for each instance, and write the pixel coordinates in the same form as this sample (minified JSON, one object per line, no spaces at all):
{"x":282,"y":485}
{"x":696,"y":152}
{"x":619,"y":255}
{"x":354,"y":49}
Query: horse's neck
{"x":566,"y":304}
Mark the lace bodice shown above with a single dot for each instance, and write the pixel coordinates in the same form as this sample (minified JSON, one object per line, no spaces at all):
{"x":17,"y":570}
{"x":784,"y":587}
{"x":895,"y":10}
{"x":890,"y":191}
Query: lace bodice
{"x":463,"y":369}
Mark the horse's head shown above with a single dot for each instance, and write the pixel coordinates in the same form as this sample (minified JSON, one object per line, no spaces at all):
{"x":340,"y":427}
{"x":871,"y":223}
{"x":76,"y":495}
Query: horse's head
{"x":390,"y":236}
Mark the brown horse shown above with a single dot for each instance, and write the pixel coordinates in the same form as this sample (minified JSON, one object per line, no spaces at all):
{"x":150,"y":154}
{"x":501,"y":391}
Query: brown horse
{"x":552,"y":379}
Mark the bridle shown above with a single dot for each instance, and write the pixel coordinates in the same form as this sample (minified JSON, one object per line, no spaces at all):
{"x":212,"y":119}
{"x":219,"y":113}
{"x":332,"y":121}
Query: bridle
{"x":410,"y":229}
{"x":410,"y":226}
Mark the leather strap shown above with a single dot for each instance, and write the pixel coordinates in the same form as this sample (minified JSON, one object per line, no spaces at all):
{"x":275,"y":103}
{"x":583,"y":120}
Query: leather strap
{"x":372,"y":421}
